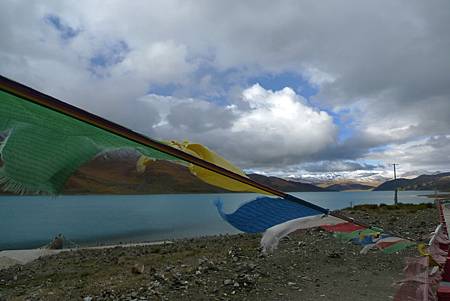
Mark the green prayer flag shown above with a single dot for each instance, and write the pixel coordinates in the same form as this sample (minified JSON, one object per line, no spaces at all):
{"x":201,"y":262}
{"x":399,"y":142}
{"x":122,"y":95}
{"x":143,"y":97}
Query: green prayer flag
{"x":398,"y":246}
{"x":41,"y":147}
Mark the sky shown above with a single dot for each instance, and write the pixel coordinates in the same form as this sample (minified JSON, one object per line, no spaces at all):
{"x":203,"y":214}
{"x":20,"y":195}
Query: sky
{"x":311,"y":90}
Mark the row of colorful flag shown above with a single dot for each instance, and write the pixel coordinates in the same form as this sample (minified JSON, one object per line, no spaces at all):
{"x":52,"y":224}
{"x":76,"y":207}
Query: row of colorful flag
{"x":277,"y":217}
{"x":369,"y":238}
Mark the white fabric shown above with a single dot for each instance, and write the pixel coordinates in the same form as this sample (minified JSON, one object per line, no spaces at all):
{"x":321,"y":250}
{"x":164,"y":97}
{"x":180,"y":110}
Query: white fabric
{"x":366,"y":249}
{"x":435,"y":233}
{"x":273,"y":235}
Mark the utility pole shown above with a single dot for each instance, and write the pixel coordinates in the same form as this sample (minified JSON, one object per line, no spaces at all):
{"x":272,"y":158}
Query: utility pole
{"x":396,"y":190}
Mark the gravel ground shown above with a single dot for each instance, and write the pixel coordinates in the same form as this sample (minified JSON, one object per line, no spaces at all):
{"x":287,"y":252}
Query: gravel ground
{"x":309,"y":265}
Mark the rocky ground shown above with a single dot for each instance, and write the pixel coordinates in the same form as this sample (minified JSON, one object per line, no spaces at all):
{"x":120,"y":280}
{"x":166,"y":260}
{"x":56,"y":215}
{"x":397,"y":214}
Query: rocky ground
{"x":309,"y":265}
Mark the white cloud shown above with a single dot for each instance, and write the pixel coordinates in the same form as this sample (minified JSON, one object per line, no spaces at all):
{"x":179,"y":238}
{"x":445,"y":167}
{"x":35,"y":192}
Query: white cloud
{"x":431,"y":154}
{"x":281,"y":125}
{"x":267,"y":128}
{"x":159,"y":62}
{"x":318,"y":77}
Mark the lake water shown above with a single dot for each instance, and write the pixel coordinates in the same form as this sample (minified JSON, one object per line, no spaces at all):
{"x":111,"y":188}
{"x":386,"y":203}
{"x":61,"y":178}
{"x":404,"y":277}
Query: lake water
{"x":32,"y":221}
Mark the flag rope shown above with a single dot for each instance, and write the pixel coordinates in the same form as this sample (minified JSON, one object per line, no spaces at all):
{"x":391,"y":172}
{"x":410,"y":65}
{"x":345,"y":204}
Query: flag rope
{"x":61,"y":107}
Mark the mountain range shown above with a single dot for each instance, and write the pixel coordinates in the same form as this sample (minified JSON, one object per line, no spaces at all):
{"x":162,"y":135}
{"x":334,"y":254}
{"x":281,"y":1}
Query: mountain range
{"x":348,"y":186}
{"x":439,"y":182}
{"x":116,"y":174}
{"x":119,"y":176}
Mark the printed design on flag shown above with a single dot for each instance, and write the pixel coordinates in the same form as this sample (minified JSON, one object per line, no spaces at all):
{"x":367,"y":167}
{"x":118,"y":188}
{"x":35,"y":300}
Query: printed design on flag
{"x":368,"y":238}
{"x":278,"y":217}
{"x":264,"y":212}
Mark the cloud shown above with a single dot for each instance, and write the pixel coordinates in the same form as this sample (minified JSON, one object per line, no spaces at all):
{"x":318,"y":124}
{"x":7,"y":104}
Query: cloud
{"x":200,"y":116}
{"x":429,"y":154}
{"x":65,"y":31}
{"x":279,"y":126}
{"x":337,"y":166}
{"x":179,"y":118}
{"x":159,"y":62}
{"x":318,"y":77}
{"x":266,"y":127}
{"x":379,"y":72}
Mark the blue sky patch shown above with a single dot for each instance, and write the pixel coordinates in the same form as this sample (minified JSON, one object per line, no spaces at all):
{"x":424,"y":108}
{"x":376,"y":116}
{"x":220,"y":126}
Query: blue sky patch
{"x":380,"y":148}
{"x":222,"y":83}
{"x":164,"y":89}
{"x":279,"y":81}
{"x":66,"y":32}
{"x":111,"y":54}
{"x":344,"y":124}
{"x":215,"y":89}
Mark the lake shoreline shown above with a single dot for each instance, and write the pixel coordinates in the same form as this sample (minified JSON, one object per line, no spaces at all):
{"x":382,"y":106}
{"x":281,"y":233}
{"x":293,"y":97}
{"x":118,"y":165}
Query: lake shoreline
{"x":440,"y":196}
{"x":309,"y":265}
{"x":86,"y":220}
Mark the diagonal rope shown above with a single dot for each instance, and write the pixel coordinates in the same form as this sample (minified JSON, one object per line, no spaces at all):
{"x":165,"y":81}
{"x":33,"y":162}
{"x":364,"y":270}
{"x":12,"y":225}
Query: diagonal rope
{"x":61,"y":107}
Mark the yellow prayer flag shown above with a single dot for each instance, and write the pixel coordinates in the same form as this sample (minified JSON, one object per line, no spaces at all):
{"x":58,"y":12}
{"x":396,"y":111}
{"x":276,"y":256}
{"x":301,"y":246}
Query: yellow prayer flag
{"x":206,"y":175}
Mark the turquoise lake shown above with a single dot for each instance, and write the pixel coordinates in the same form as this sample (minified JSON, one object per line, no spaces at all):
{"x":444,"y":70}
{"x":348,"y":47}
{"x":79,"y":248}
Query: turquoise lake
{"x":32,"y":221}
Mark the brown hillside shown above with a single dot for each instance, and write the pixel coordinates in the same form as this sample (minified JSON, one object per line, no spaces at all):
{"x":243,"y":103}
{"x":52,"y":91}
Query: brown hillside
{"x":119,"y":176}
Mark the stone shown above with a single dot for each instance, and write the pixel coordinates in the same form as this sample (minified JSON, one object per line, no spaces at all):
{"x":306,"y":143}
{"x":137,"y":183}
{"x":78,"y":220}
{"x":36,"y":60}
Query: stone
{"x":138,"y":268}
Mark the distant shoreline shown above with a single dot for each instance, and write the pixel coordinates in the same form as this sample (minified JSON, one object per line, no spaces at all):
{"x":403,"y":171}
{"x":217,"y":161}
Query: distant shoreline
{"x":4,"y":193}
{"x":442,"y":196}
{"x":12,"y":257}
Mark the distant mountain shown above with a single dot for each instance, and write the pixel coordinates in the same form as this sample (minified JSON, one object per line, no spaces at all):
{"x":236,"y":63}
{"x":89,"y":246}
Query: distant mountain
{"x":116,"y":174}
{"x":439,"y":181}
{"x":285,"y":185}
{"x":348,"y":186}
{"x":119,"y":176}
